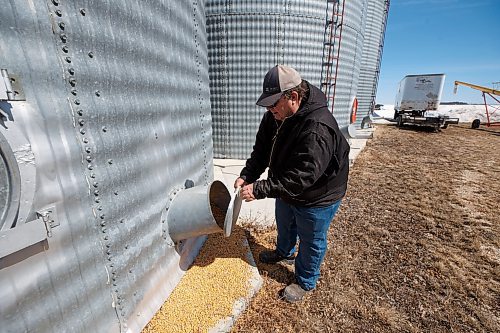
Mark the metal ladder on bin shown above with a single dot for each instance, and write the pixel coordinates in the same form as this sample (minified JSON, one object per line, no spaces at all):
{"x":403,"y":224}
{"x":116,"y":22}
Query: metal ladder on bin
{"x":331,"y":49}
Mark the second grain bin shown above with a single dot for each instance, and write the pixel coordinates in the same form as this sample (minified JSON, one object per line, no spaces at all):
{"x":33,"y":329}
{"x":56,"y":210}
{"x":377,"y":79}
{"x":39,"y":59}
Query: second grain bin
{"x":376,"y":19}
{"x":247,"y":38}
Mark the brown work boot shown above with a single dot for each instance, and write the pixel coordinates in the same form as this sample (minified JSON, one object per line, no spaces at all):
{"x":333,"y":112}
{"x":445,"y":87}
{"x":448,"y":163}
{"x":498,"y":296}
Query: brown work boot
{"x":273,"y":257}
{"x":294,"y":293}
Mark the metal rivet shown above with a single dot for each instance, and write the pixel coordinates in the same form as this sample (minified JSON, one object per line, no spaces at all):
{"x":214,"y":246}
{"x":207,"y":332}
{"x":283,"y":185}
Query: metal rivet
{"x":104,"y":129}
{"x":72,"y":81}
{"x":82,"y":131}
{"x":90,"y":167}
{"x":104,"y":230}
{"x":68,"y":59}
{"x":89,"y":158}
{"x":58,"y":13}
{"x":62,"y":25}
{"x":116,"y":192}
{"x":102,"y":216}
{"x":122,"y":220}
{"x":74,"y":92}
{"x":85,"y":140}
{"x":82,"y":11}
{"x":97,"y":200}
{"x":82,"y":122}
{"x":55,"y":2}
{"x":92,"y":175}
{"x":99,"y":208}
{"x":98,"y":93}
{"x":110,"y":161}
{"x":77,"y":101}
{"x":106,"y":237}
{"x":91,"y":54}
{"x":71,"y":70}
{"x":88,"y":150}
{"x":65,"y":48}
{"x":96,"y":192}
{"x":64,"y":38}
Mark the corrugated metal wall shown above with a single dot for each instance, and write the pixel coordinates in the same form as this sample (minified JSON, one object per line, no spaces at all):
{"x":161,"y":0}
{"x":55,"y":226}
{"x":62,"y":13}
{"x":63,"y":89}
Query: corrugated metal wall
{"x":116,"y":116}
{"x":372,"y":54}
{"x":349,"y":63}
{"x":246,"y":39}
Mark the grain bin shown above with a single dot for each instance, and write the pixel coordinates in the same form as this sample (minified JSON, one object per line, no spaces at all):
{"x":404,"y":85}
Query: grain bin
{"x":376,"y":20}
{"x":107,"y":120}
{"x":247,"y":38}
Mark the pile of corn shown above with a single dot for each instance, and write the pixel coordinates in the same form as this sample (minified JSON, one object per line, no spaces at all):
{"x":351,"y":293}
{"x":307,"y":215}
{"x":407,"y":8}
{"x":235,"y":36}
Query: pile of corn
{"x":209,"y":289}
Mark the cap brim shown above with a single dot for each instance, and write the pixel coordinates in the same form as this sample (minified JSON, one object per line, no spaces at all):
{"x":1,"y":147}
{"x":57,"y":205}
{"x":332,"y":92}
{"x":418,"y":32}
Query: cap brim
{"x":268,"y":100}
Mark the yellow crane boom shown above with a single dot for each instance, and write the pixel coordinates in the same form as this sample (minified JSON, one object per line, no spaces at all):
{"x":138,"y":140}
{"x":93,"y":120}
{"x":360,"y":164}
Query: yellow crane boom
{"x":474,"y":86}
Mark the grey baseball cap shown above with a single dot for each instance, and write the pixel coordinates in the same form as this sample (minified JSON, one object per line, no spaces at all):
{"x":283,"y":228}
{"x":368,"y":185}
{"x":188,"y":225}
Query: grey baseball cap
{"x":277,"y":80}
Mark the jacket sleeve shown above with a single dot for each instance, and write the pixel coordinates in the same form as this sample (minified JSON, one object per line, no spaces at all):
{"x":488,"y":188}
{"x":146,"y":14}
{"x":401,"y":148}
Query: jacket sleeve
{"x":259,"y":158}
{"x":308,"y":162}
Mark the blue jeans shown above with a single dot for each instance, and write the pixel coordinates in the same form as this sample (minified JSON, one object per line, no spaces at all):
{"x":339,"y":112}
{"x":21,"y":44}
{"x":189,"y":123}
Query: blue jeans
{"x":310,"y":225}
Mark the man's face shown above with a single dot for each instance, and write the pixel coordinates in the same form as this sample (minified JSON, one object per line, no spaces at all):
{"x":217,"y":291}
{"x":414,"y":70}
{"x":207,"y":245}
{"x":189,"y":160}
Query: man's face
{"x":281,"y":109}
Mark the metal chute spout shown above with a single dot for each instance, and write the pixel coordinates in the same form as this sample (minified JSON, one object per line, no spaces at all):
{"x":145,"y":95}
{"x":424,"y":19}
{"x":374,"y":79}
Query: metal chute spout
{"x":201,"y":210}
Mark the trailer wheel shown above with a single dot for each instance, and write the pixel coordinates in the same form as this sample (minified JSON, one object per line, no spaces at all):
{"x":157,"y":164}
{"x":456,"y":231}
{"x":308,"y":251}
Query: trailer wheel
{"x":399,"y":120}
{"x":476,"y":123}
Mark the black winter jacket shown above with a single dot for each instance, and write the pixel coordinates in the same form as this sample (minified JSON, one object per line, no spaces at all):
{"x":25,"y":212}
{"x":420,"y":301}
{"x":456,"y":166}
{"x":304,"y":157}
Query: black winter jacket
{"x":307,"y":156}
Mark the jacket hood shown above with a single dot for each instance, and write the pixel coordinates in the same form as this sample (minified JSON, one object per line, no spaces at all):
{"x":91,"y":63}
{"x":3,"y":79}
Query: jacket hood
{"x":315,"y":100}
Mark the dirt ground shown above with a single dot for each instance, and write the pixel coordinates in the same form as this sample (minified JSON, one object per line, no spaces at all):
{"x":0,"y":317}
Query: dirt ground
{"x":415,"y":246}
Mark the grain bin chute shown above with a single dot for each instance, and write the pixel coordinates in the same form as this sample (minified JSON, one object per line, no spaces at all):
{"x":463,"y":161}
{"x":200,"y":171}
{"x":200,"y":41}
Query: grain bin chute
{"x":116,"y":116}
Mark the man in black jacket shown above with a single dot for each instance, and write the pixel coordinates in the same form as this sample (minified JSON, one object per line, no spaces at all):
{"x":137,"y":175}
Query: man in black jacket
{"x":308,"y":159}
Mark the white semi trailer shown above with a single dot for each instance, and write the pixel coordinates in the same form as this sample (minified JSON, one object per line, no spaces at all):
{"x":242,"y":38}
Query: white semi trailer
{"x":418,"y":94}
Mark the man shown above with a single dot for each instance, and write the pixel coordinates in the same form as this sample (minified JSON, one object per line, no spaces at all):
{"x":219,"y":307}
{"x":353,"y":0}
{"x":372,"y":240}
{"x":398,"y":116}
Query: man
{"x":308,"y":159}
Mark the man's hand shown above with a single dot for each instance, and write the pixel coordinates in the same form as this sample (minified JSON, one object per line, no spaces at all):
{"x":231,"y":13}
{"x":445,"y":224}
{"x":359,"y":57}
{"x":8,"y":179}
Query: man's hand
{"x":246,"y":193}
{"x":239,"y":182}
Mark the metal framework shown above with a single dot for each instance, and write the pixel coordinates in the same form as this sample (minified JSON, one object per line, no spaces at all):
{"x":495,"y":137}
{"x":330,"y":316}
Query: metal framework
{"x":485,"y":91}
{"x":331,"y":49}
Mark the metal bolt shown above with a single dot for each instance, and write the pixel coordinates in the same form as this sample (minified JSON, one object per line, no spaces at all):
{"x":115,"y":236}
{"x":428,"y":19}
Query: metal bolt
{"x":116,"y":192}
{"x":92,"y":175}
{"x":89,"y":158}
{"x":98,"y":93}
{"x":110,"y":161}
{"x":72,"y":81}
{"x":97,"y":200}
{"x":74,"y":92}
{"x":80,"y":112}
{"x":91,"y":54}
{"x":90,"y":167}
{"x":58,"y":13}
{"x":82,"y":11}
{"x":85,"y":140}
{"x":62,"y":25}
{"x":122,"y":220}
{"x":126,"y":247}
{"x":68,"y":59}
{"x":55,"y":2}
{"x":71,"y":70}
{"x":65,"y":48}
{"x":102,"y":216}
{"x":88,"y":150}
{"x":82,"y":122}
{"x":82,"y":131}
{"x":103,"y":223}
{"x":104,"y":129}
{"x":104,"y":230}
{"x":99,"y":208}
{"x":108,"y":246}
{"x":63,"y":37}
{"x":96,"y":192}
{"x":95,"y":184}
{"x":106,"y":237}
{"x":77,"y":101}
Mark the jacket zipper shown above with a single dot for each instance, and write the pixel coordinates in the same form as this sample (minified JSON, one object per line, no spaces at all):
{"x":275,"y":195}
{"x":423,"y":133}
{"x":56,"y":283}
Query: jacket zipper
{"x":274,"y":141}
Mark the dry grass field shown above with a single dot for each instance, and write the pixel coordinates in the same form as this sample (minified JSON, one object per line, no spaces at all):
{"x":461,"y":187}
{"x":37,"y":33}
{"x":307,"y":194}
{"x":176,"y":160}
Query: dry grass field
{"x":415,"y":246}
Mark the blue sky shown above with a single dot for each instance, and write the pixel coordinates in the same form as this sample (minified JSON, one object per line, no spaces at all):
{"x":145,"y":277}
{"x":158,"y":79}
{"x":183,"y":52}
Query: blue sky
{"x":458,"y":38}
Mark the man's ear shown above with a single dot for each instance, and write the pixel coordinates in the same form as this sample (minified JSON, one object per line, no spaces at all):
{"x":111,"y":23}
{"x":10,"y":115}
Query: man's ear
{"x":294,"y":96}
